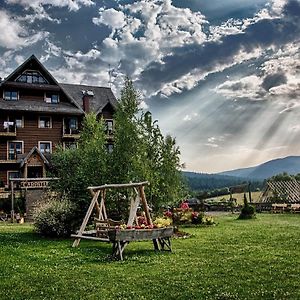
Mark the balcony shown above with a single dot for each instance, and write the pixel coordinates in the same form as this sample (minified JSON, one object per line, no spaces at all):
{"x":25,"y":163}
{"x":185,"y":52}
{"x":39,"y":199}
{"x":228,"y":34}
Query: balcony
{"x":109,"y":134}
{"x":69,"y":133}
{"x":8,"y":130}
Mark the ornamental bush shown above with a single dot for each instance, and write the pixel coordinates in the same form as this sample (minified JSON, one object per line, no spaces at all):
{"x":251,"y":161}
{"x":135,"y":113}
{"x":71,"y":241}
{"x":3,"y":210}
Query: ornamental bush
{"x":248,"y":211}
{"x":188,"y":216}
{"x":55,"y":217}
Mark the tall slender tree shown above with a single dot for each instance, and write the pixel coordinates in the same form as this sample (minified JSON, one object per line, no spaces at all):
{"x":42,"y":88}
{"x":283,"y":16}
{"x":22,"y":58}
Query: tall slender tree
{"x":127,"y":153}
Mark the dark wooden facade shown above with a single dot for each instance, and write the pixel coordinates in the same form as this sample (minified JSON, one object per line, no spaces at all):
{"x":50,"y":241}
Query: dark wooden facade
{"x":37,"y":113}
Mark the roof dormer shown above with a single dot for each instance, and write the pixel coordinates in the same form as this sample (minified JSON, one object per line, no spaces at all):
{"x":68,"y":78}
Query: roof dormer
{"x":31,"y":72}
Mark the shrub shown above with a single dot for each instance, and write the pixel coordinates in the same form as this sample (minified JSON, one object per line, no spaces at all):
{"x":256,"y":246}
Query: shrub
{"x":188,"y":216}
{"x":202,"y":219}
{"x":248,"y":211}
{"x":55,"y":217}
{"x":181,"y":216}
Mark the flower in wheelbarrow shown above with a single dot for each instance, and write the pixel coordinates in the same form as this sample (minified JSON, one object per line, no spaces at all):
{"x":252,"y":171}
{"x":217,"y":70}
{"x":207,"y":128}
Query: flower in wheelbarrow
{"x":162,"y":222}
{"x":168,"y":214}
{"x":142,"y":220}
{"x":184,"y":205}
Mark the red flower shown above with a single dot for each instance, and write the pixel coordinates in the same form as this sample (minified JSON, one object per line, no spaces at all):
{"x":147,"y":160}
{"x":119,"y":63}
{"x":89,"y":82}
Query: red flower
{"x":168,"y":214}
{"x":184,"y":205}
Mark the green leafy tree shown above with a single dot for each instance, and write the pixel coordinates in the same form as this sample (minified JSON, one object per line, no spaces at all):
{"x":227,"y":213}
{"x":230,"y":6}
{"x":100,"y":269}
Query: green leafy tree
{"x":297,"y":176}
{"x":140,"y":153}
{"x":84,"y":166}
{"x":162,"y":165}
{"x":125,"y":160}
{"x":281,"y":177}
{"x":152,"y":143}
{"x":171,"y":185}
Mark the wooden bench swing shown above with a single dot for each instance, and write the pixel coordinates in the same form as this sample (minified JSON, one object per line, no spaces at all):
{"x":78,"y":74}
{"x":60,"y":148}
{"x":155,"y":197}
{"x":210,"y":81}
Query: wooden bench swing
{"x":107,"y":230}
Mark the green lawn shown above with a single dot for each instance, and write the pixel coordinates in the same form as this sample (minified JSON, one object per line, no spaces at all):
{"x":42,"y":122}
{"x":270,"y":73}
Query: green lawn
{"x":239,"y":197}
{"x":253,"y":259}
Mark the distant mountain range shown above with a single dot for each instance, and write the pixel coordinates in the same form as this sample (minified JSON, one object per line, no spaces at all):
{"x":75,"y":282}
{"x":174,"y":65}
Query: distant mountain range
{"x":290,"y":165}
{"x":255,"y":175}
{"x":209,"y":182}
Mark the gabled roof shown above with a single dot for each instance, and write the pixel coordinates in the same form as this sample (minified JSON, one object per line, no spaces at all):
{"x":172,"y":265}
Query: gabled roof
{"x":33,"y":63}
{"x":289,"y":188}
{"x":102,"y":96}
{"x":28,"y":64}
{"x":23,"y":160}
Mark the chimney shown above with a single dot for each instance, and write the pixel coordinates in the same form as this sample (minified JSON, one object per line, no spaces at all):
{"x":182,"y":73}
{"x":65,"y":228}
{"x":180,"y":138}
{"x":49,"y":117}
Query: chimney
{"x":87,"y":95}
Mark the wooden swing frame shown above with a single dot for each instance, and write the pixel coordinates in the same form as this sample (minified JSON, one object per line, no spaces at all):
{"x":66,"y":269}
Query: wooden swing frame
{"x":162,"y":236}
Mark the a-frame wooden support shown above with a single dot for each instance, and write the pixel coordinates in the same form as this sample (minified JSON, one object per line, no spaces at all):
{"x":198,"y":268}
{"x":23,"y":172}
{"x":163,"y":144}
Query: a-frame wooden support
{"x":160,"y":242}
{"x":101,"y":209}
{"x":134,"y":204}
{"x":94,"y":203}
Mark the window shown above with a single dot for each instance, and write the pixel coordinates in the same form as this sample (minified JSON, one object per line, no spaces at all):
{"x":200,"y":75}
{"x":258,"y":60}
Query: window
{"x":71,"y":125}
{"x":45,"y":122}
{"x":14,"y":148}
{"x":10,"y":95}
{"x":45,"y":147}
{"x":109,"y":126}
{"x":51,"y":98}
{"x":12,"y":174}
{"x":70,"y":145}
{"x":110,"y":148}
{"x":32,"y":77}
{"x":19,"y":121}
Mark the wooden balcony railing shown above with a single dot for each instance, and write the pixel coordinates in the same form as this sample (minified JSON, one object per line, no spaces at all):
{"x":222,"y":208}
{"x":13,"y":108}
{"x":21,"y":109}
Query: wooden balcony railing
{"x":71,"y":133}
{"x":9,"y":130}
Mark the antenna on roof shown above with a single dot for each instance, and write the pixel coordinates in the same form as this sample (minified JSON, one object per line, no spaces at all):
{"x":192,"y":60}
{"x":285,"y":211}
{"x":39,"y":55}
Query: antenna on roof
{"x":109,"y":75}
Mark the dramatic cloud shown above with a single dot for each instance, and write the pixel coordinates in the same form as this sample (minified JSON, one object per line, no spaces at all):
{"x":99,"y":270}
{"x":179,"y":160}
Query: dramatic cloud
{"x":277,"y":79}
{"x":192,"y":63}
{"x":145,"y":31}
{"x":39,"y":10}
{"x":72,"y":5}
{"x":111,"y":17}
{"x":14,"y":35}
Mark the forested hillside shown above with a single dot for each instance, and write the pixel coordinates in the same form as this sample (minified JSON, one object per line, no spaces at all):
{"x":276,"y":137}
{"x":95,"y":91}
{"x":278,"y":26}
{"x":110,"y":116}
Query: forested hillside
{"x":208,"y":182}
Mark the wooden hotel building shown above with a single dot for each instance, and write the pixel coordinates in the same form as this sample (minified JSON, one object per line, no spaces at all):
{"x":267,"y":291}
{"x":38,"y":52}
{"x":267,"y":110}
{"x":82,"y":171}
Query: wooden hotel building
{"x":37,"y":113}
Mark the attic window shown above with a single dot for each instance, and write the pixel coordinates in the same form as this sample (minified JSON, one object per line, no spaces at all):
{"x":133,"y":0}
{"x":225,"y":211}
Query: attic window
{"x":51,"y":98}
{"x":32,"y":77}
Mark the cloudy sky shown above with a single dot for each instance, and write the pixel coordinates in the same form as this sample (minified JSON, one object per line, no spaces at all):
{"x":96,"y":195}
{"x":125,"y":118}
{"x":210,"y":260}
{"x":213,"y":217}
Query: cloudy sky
{"x":222,"y":76}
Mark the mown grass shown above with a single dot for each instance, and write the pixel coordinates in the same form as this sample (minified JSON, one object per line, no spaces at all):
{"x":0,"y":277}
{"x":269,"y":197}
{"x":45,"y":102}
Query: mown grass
{"x":253,"y":259}
{"x":238,"y":196}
